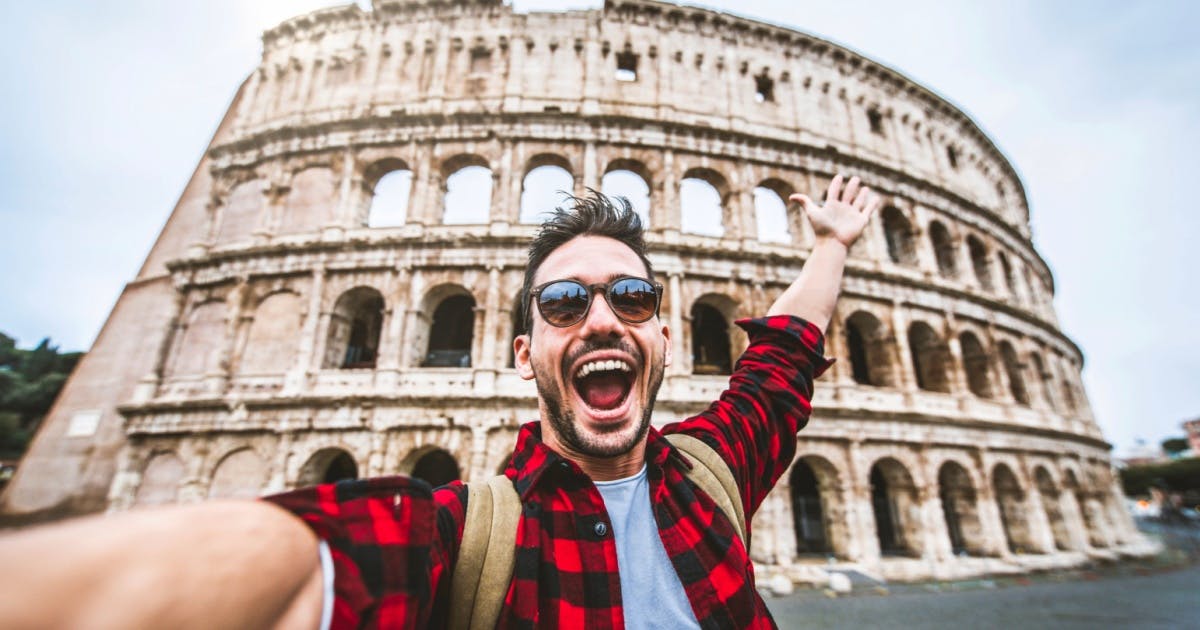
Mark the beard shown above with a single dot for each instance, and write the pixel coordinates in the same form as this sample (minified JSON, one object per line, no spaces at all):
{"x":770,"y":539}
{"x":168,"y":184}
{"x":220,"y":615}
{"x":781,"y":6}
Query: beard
{"x":563,"y":422}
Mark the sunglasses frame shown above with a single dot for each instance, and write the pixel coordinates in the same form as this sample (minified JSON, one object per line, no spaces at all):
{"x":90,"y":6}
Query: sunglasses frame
{"x":536,"y":293}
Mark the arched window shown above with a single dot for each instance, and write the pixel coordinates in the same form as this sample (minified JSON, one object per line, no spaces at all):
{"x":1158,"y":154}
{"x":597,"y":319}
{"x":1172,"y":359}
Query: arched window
{"x":542,"y":190}
{"x":468,"y":195}
{"x":807,"y":511}
{"x":701,"y":205}
{"x":975,"y":363}
{"x":437,"y":468}
{"x":310,"y":201}
{"x":160,"y":480}
{"x":893,"y":500}
{"x":900,"y":239}
{"x":979,"y":261}
{"x":328,"y":465}
{"x":451,"y":333}
{"x":710,"y":341}
{"x":274,"y":335}
{"x":354,"y":329}
{"x":961,"y":510}
{"x":1013,"y":515}
{"x":627,"y":183}
{"x":1016,"y":376}
{"x":389,"y":205}
{"x":199,"y":351}
{"x":1010,"y":280}
{"x":943,"y":250}
{"x":240,"y":475}
{"x":1052,"y":502}
{"x":930,"y":358}
{"x":870,"y":361}
{"x":242,"y":211}
{"x":770,"y":211}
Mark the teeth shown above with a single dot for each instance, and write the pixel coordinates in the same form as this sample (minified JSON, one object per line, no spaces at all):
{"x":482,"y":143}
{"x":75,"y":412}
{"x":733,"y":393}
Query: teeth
{"x":603,"y":366}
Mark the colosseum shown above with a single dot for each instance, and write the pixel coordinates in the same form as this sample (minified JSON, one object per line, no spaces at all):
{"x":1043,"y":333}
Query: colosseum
{"x":334,"y":294}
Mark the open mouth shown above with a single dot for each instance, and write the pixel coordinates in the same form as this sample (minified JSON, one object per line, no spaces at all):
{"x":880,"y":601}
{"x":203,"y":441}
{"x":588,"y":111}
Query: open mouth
{"x":604,"y":385}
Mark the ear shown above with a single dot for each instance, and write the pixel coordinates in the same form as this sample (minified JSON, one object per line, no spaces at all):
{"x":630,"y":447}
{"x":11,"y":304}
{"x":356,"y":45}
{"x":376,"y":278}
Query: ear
{"x":666,"y":335}
{"x":521,"y":357}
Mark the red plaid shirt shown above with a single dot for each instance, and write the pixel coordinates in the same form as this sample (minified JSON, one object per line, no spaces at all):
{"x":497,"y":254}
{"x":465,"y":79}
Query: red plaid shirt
{"x":394,"y":542}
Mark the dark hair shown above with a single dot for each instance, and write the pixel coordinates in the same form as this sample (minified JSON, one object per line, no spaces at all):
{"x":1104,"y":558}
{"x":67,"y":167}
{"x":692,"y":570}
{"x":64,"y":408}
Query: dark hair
{"x":595,"y":214}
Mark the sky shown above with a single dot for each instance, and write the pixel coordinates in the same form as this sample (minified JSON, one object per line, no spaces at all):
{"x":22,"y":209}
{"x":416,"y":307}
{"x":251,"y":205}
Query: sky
{"x":109,"y":106}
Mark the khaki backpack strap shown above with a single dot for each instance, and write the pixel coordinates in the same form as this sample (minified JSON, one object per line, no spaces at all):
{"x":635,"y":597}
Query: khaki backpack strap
{"x":714,"y":477}
{"x":486,"y":556}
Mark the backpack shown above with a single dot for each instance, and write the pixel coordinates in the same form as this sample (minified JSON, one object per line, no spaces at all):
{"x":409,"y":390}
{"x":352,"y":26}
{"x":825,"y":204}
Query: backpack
{"x":488,"y":550}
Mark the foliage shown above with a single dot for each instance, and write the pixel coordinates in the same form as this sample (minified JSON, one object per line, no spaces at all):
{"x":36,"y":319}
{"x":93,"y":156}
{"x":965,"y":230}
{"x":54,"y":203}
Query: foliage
{"x":1181,"y":475}
{"x":1174,"y":445}
{"x":29,"y":382}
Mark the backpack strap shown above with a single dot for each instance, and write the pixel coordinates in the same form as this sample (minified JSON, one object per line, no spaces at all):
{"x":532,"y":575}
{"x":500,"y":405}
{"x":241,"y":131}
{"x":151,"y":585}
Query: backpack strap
{"x":714,"y":477}
{"x":486,"y":556}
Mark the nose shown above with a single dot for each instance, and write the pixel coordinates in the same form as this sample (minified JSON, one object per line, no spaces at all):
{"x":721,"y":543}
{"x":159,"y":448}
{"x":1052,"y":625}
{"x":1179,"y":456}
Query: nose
{"x":601,"y":321}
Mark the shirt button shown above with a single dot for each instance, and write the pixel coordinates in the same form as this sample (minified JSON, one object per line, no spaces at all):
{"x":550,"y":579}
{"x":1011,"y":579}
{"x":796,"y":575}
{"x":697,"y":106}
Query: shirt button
{"x":601,"y":529}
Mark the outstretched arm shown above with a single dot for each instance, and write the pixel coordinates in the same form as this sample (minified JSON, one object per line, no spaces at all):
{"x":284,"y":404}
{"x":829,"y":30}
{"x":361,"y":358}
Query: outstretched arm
{"x":215,"y":565}
{"x":837,"y":224}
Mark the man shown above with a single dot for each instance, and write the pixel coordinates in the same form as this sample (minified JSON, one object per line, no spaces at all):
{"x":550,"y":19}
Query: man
{"x":611,"y":532}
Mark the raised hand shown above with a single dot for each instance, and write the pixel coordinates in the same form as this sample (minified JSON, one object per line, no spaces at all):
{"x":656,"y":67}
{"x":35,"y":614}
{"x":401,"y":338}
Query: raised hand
{"x":846,"y":211}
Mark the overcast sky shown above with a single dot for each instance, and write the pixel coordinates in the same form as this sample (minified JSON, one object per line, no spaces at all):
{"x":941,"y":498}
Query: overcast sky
{"x":108,"y":107}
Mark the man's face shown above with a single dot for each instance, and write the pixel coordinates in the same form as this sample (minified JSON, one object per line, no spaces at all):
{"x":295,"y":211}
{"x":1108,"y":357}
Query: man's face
{"x":590,"y":408}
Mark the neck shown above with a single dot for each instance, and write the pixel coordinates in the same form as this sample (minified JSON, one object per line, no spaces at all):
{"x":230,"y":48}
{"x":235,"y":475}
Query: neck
{"x":599,"y":468}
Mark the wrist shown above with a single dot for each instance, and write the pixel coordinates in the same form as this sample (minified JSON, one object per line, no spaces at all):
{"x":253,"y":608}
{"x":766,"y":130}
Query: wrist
{"x":831,"y":243}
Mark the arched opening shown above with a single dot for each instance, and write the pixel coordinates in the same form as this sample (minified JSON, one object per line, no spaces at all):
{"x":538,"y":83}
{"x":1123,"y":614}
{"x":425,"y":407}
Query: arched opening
{"x":390,"y":198}
{"x":960,"y":507}
{"x":893,"y":502}
{"x":328,"y":465}
{"x":701,"y":203}
{"x":1009,"y":279}
{"x":310,"y":201}
{"x":354,"y":330}
{"x":542,"y":190}
{"x":199,"y":349}
{"x":240,"y":475}
{"x":808,"y":512}
{"x":710,"y":341}
{"x":274,"y":335}
{"x":1045,"y":379}
{"x":628,"y":179}
{"x":900,"y":238}
{"x":975,"y":363}
{"x":1052,"y":502}
{"x":930,"y":358}
{"x":1010,"y":498}
{"x":943,"y":250}
{"x":160,"y":480}
{"x":979,"y":262}
{"x":1068,"y":391}
{"x":437,"y":468}
{"x":242,"y":212}
{"x":451,"y":333}
{"x":1087,"y":510}
{"x":770,"y":213}
{"x":1016,"y":377}
{"x":870,"y":359}
{"x":468,"y":195}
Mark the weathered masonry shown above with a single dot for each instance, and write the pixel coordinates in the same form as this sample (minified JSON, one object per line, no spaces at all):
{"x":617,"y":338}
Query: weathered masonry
{"x":334,"y":294}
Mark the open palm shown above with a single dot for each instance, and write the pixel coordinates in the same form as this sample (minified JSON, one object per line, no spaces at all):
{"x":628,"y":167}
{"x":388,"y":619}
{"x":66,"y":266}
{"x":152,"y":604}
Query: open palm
{"x":846,"y":211}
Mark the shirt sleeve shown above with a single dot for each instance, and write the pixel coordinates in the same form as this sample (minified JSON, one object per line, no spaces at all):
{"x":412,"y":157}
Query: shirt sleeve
{"x":753,"y":424}
{"x":382,"y":540}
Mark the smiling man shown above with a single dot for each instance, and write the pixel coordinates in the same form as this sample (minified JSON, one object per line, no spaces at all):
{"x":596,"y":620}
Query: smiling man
{"x":612,"y":532}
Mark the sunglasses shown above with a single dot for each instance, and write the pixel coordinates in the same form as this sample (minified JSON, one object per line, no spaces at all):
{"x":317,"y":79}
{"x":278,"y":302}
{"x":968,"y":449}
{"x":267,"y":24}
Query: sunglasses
{"x":565,"y":303}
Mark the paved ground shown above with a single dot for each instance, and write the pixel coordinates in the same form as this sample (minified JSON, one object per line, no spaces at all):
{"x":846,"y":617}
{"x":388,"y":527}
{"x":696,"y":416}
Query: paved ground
{"x":1159,"y":593}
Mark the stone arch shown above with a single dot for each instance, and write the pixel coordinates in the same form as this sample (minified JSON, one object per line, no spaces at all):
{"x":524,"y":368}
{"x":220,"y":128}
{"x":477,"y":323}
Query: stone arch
{"x":1052,"y":502}
{"x":432,"y":465}
{"x":869,"y":345}
{"x":976,"y":364}
{"x":1006,"y":270}
{"x":311,"y":199}
{"x":390,"y":182}
{"x":547,"y":179}
{"x":944,"y":251}
{"x":702,"y":198}
{"x":900,"y":236}
{"x":818,"y":515}
{"x":1069,"y":402}
{"x":355,"y":326}
{"x":241,"y":214}
{"x":931,"y":358}
{"x":629,"y":179}
{"x":272,"y":340}
{"x":960,"y":508}
{"x":328,"y":465}
{"x":770,"y":210}
{"x":894,"y":505}
{"x":161,"y":479}
{"x":1092,"y":522}
{"x":1014,"y":512}
{"x":711,"y":315}
{"x":451,"y":314}
{"x":468,"y":190}
{"x":240,"y":474}
{"x":1045,"y":378}
{"x":199,"y":349}
{"x":1015,"y":372}
{"x":980,"y":263}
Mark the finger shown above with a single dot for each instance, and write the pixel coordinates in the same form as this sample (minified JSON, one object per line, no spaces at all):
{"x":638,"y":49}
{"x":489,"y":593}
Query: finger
{"x":860,"y":200}
{"x":851,"y":189}
{"x":835,"y":189}
{"x":874,"y":205}
{"x":803,"y":200}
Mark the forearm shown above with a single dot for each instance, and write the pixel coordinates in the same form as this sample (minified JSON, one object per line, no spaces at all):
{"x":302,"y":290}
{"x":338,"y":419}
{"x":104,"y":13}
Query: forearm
{"x":230,"y":564}
{"x":813,"y":295}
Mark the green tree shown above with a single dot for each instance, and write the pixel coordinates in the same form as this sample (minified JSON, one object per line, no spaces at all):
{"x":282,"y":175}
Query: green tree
{"x":30,"y":380}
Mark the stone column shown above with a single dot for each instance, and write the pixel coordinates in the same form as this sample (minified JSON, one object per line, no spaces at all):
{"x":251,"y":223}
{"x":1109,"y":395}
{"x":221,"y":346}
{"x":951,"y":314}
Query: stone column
{"x":906,"y":378}
{"x":593,"y":175}
{"x":863,"y":542}
{"x":392,"y":335}
{"x":1001,"y":386}
{"x":489,"y":357}
{"x":681,"y":361}
{"x":309,"y":356}
{"x":425,"y":198}
{"x":665,"y":213}
{"x":936,"y":538}
{"x":1039,"y":521}
{"x":995,"y":541}
{"x":506,"y":185}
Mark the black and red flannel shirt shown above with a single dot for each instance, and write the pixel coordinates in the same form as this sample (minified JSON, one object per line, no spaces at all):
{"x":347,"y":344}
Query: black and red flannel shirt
{"x":394,"y":542}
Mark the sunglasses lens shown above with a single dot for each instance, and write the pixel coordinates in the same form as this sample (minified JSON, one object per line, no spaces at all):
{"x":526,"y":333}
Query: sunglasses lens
{"x":633,"y":299}
{"x":563,"y":303}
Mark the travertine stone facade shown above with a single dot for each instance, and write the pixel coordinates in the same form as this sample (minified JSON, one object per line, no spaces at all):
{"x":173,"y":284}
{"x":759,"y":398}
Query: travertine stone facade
{"x":288,"y":328}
